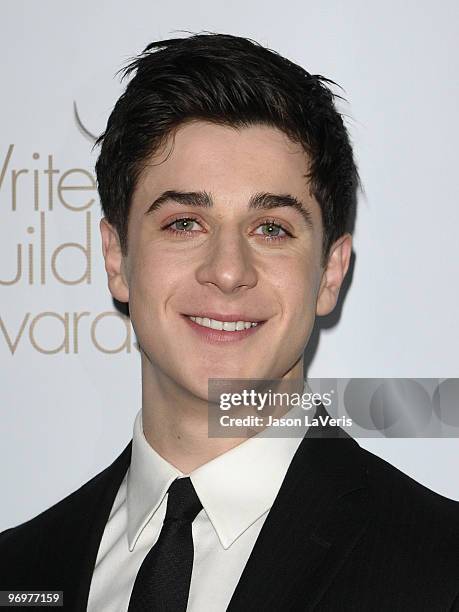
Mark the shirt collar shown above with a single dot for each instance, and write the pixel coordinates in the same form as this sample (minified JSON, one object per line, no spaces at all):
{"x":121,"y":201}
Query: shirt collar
{"x":235,"y":489}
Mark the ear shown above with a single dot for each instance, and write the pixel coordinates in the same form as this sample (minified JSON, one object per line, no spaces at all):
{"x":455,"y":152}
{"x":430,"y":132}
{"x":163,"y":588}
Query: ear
{"x":333,"y":274}
{"x":114,"y":262}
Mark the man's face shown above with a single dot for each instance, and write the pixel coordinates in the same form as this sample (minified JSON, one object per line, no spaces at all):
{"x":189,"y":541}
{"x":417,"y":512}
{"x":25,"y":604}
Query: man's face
{"x":231,"y":257}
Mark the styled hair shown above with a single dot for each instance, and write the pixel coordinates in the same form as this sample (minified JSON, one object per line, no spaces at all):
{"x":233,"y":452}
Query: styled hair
{"x":231,"y":81}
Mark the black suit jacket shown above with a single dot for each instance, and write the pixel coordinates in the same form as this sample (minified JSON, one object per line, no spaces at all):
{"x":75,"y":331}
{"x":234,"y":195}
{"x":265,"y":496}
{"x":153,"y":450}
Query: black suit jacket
{"x":347,"y":532}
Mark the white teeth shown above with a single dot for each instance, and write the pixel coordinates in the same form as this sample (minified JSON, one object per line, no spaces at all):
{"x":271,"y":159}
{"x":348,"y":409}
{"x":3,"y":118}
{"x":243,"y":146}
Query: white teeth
{"x":223,"y":325}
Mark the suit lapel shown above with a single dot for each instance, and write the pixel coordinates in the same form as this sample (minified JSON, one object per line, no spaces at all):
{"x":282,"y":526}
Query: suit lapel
{"x":319,"y":514}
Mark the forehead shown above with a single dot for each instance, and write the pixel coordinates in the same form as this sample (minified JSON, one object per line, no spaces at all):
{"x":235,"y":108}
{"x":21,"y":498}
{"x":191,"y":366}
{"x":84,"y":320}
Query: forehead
{"x":232,"y":163}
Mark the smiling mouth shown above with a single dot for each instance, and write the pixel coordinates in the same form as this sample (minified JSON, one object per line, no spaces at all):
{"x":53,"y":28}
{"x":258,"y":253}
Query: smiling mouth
{"x":225,"y":327}
{"x":229,"y":326}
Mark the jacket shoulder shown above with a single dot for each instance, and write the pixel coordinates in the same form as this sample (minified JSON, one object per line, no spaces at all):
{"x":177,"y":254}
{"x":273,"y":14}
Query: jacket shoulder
{"x":45,"y":537}
{"x":389,"y":482}
{"x":421,"y":523}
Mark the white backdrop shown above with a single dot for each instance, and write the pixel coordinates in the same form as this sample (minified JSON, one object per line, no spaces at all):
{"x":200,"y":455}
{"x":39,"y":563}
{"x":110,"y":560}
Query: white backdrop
{"x":67,"y":414}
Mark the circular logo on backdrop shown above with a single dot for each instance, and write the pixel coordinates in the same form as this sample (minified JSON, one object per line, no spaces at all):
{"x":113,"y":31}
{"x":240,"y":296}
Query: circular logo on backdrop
{"x":80,"y":125}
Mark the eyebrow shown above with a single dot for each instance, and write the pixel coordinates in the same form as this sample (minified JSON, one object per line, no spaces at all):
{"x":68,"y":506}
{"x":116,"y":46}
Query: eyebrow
{"x":259,"y":201}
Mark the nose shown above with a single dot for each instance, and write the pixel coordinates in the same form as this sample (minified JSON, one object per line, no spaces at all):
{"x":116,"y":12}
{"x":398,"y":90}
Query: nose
{"x":228,"y":264}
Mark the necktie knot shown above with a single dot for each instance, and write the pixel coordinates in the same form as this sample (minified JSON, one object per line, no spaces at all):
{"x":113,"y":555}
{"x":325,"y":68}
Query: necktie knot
{"x":183,"y":503}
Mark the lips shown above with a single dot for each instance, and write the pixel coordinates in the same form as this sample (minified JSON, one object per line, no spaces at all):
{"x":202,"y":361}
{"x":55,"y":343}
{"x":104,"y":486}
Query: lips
{"x":222,"y":336}
{"x":219,"y":316}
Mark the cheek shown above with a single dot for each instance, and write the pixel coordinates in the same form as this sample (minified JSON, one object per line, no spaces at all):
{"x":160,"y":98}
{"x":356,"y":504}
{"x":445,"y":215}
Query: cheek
{"x":150,"y":279}
{"x":297,"y":288}
{"x":159,"y":289}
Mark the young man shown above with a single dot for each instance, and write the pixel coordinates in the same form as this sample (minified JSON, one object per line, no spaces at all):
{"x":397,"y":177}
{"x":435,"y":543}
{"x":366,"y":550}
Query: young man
{"x":227,"y":181}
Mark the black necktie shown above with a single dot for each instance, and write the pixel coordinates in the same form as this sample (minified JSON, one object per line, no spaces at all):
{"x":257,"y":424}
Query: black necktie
{"x":163,"y":580}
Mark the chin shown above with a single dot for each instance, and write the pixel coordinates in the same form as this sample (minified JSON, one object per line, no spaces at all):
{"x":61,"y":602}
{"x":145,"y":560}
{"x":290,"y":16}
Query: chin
{"x":199,"y":384}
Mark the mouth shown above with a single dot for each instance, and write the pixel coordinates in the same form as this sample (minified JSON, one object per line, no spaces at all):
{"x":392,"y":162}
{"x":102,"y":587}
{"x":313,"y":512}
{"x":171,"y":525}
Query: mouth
{"x":216,"y":328}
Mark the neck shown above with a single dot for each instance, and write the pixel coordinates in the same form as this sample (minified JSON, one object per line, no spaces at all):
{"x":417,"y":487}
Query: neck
{"x":175,"y":421}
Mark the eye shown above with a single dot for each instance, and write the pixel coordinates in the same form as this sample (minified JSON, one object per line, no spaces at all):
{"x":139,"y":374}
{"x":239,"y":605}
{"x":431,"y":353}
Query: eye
{"x":183,"y":226}
{"x":273,"y":231}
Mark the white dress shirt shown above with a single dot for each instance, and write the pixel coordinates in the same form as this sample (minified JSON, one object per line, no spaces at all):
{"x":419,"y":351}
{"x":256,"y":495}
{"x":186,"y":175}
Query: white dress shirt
{"x":236,"y":489}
